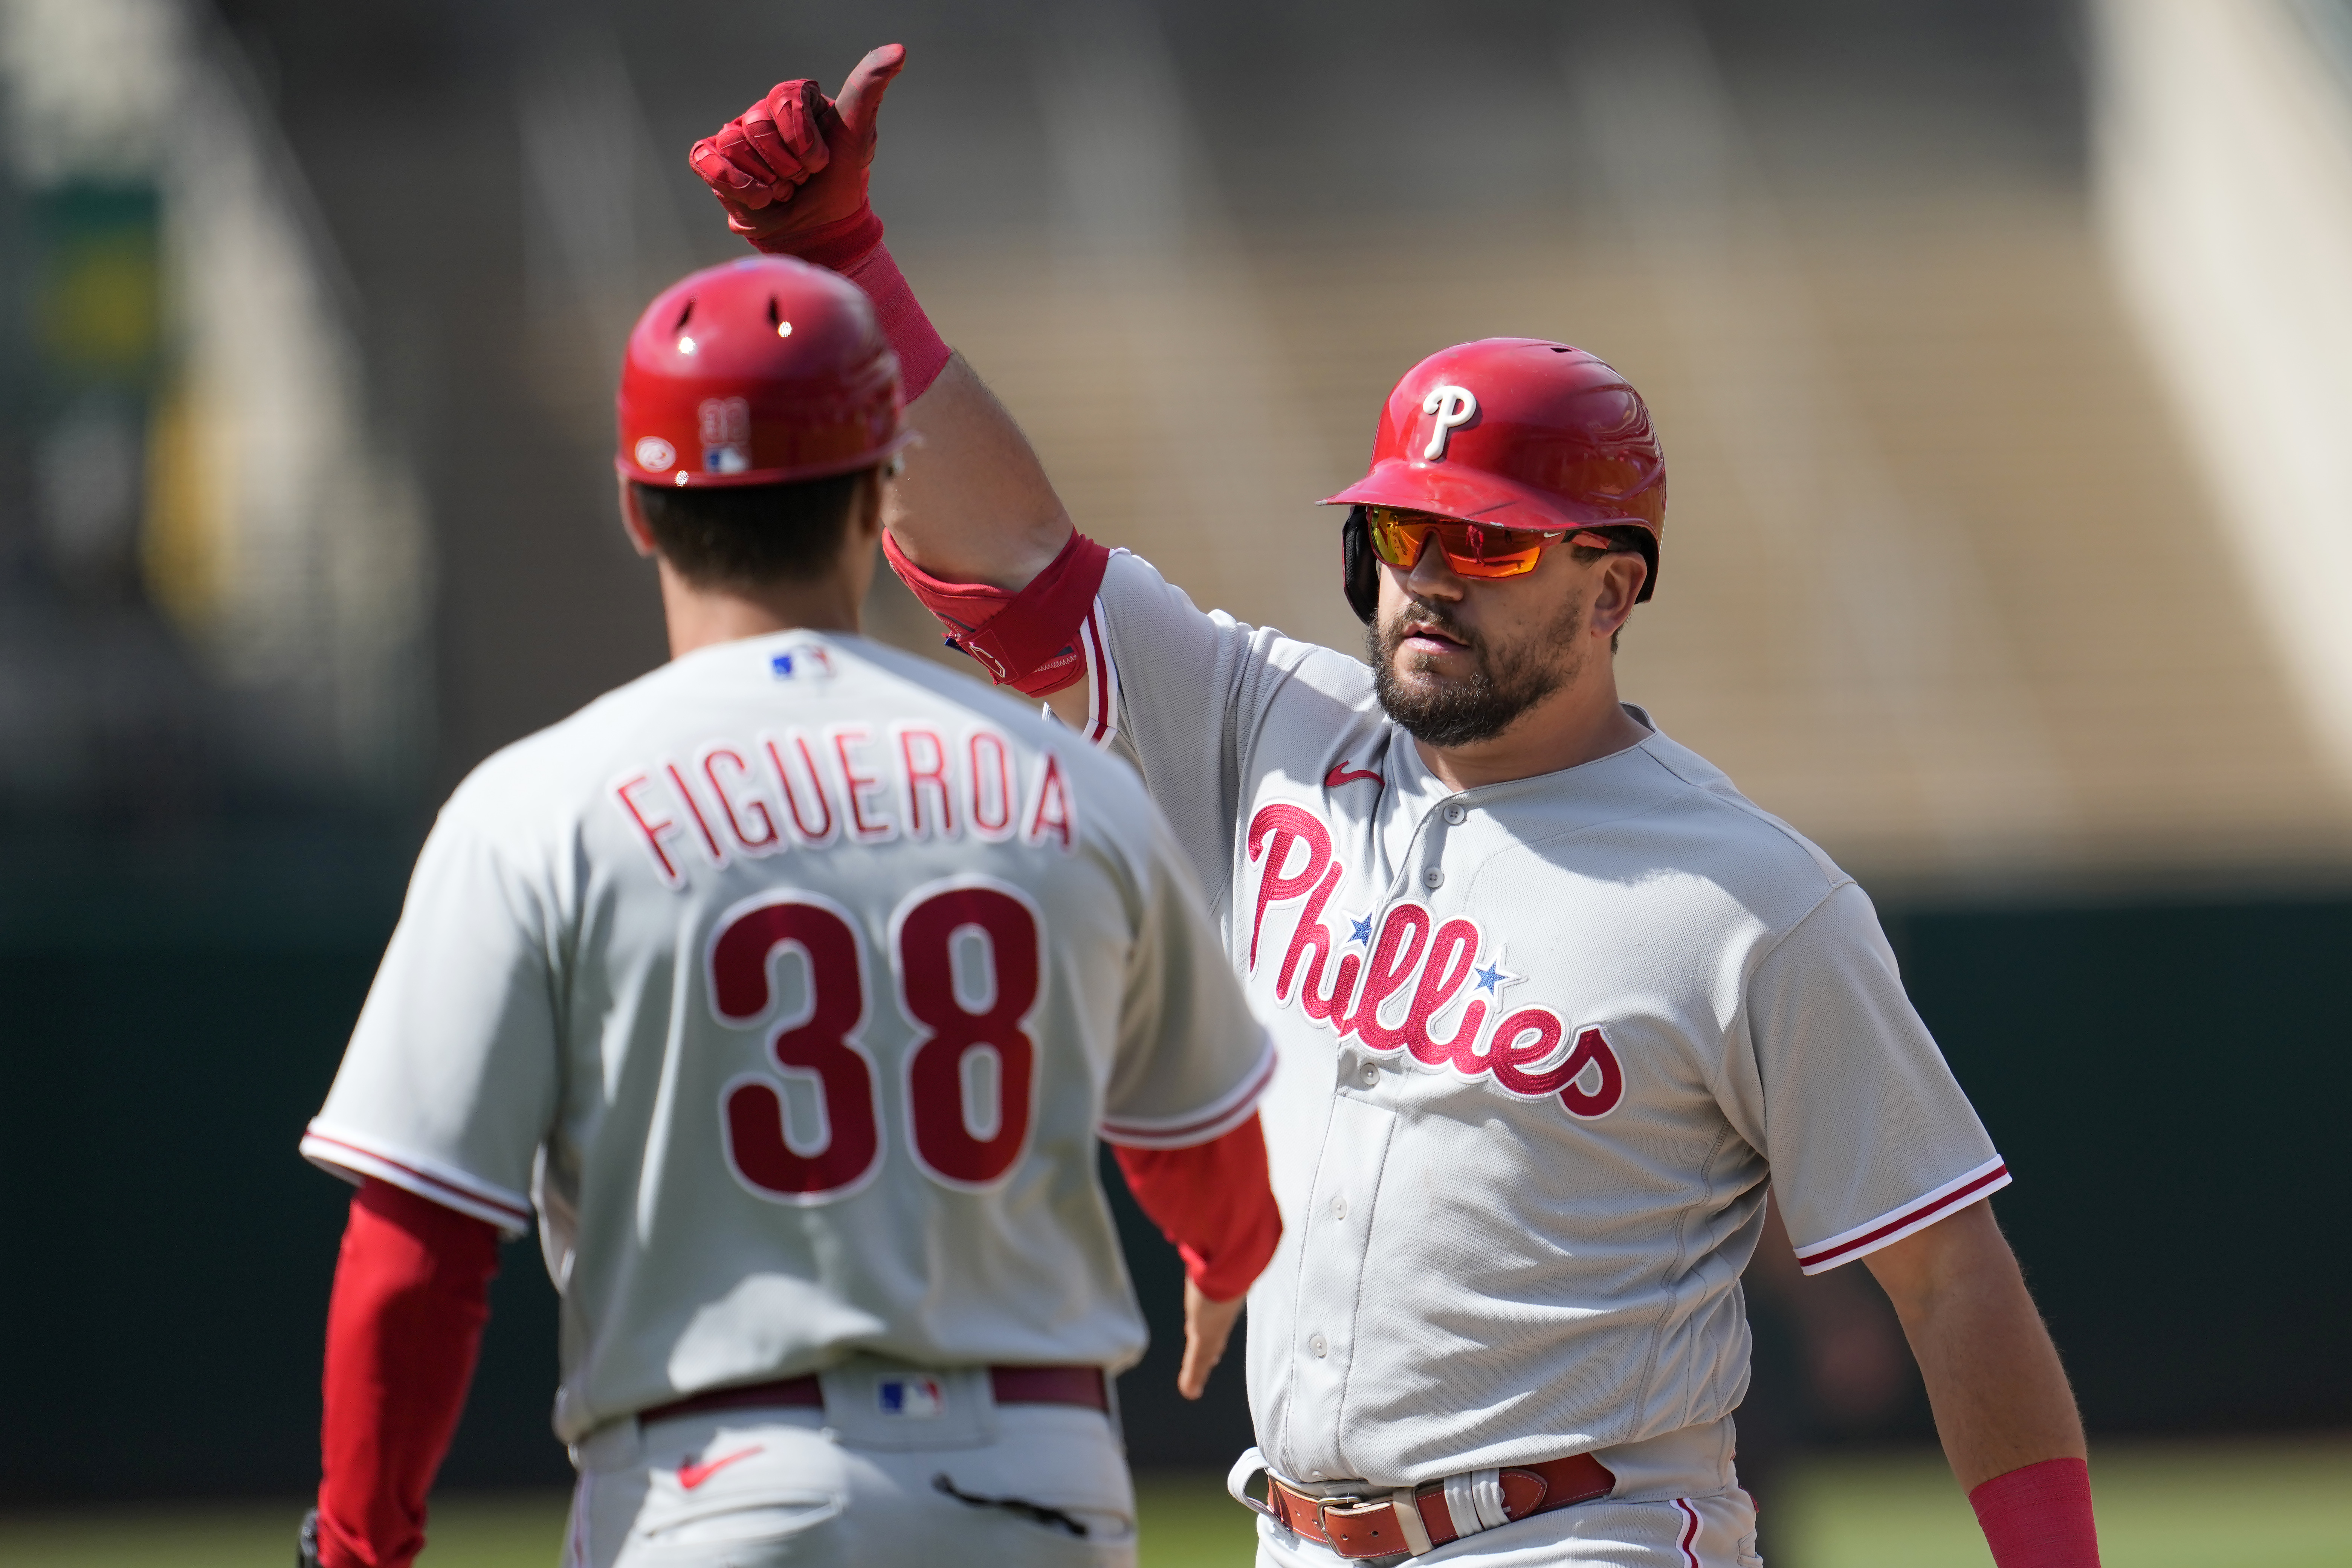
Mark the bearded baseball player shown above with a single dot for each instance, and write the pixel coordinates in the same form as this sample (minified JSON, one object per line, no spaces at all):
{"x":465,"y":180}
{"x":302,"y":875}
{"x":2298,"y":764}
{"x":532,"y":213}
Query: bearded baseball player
{"x":787,"y":990}
{"x":1553,"y":1002}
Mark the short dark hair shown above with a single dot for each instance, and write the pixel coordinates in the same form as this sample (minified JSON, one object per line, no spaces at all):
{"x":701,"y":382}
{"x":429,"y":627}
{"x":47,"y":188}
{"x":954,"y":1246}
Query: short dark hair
{"x":749,"y":536}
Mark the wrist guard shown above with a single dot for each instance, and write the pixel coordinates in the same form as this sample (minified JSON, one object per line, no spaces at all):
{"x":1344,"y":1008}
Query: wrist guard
{"x":1027,"y":640}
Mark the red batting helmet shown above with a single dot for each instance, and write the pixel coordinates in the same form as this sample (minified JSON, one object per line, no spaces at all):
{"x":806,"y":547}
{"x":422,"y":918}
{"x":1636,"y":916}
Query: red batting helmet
{"x":1520,"y":433}
{"x":762,"y":370}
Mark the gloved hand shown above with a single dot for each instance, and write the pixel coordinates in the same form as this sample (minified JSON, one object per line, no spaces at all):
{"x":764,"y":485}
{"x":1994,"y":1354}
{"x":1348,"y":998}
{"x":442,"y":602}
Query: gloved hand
{"x":792,"y":169}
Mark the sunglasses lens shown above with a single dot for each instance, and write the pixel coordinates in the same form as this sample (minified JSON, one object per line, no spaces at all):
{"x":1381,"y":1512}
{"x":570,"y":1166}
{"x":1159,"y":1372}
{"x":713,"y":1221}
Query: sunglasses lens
{"x":1395,"y":539}
{"x":1472,"y":550}
{"x":1495,"y":551}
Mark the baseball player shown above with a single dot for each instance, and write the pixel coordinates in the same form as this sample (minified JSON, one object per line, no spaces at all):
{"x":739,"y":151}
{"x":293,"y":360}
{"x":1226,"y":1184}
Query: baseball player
{"x":1553,"y":1001}
{"x":787,"y":990}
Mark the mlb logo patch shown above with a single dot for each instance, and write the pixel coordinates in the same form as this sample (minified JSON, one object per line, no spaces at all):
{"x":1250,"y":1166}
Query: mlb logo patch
{"x":914,"y":1398}
{"x":797,"y":662}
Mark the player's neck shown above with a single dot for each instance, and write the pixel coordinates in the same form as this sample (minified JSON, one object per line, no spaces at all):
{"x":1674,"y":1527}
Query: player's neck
{"x":1581,"y":723}
{"x":700,"y":615}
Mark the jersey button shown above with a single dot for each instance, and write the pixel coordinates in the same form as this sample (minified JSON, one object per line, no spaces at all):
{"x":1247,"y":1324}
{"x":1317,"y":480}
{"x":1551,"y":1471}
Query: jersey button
{"x":1338,"y":1208}
{"x":1319,"y":1345}
{"x":1454,"y":814}
{"x":1432,"y":877}
{"x":1369,"y":1074}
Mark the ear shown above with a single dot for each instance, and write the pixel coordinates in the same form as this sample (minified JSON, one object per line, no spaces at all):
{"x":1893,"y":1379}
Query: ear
{"x":632,"y":521}
{"x":1623,"y":576}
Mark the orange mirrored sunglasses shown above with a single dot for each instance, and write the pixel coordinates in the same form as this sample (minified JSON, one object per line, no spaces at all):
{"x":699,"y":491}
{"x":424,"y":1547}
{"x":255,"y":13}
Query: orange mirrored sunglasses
{"x":1472,"y":549}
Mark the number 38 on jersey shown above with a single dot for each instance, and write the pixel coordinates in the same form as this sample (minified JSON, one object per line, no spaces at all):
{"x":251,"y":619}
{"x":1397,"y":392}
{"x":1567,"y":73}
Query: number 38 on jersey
{"x":964,"y":958}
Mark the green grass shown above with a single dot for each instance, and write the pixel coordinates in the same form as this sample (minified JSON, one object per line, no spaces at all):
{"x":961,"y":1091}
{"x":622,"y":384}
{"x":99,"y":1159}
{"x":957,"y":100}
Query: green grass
{"x":2214,"y":1505}
{"x":2218,"y":1505}
{"x":524,"y":1530}
{"x":1188,"y":1521}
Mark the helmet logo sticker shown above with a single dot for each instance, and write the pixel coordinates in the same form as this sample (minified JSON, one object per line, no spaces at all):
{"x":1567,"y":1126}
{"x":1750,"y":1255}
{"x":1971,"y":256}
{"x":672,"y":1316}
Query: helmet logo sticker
{"x":726,"y":424}
{"x":655,"y":453}
{"x":1453,"y":407}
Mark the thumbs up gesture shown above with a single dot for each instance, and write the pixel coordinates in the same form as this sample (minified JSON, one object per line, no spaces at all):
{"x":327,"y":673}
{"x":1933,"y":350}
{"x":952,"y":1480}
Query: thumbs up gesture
{"x":792,"y":169}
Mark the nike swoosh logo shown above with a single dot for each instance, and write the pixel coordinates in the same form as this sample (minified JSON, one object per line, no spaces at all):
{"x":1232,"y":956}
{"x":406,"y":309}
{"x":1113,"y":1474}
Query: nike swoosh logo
{"x":1341,"y":773}
{"x":692,"y":1476}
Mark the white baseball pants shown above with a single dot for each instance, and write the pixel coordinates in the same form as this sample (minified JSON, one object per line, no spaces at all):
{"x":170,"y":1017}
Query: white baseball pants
{"x":759,"y":1489}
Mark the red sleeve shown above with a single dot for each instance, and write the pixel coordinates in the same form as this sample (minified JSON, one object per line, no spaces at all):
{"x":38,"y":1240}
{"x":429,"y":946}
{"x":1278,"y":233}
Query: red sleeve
{"x":412,"y":1293}
{"x":2040,"y":1516}
{"x":1214,"y":1201}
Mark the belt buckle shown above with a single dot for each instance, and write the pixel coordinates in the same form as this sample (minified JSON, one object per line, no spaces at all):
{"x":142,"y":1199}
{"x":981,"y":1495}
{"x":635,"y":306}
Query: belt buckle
{"x":1411,"y":1539}
{"x":1403,"y":1510}
{"x":1324,"y":1505}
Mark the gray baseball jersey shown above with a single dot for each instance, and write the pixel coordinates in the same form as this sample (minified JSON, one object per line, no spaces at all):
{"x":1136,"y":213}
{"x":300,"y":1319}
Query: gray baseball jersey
{"x":1541,"y":1046}
{"x":792,"y":986}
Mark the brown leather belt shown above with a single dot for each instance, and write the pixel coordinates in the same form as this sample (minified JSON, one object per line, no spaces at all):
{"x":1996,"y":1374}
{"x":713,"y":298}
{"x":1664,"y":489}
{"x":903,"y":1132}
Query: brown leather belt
{"x":1374,"y":1526}
{"x":1080,"y":1385}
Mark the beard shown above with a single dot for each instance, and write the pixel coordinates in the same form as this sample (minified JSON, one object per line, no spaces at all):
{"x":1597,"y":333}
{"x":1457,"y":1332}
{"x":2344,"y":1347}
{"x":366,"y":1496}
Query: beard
{"x":1504,"y":683}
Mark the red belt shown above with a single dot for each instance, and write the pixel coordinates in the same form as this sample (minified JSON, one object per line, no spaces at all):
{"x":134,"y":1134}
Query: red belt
{"x":1081,"y":1385}
{"x":1373,"y":1527}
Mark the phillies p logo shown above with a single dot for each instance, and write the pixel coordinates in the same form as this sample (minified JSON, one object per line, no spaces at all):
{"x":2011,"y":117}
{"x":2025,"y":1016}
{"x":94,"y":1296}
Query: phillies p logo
{"x":1454,"y":406}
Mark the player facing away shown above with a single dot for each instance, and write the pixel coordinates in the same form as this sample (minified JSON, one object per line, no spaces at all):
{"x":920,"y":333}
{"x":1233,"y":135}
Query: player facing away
{"x":1553,"y":1002}
{"x":787,"y":990}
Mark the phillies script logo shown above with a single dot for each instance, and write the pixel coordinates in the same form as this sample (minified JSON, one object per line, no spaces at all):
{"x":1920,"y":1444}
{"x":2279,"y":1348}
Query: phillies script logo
{"x":1417,"y":969}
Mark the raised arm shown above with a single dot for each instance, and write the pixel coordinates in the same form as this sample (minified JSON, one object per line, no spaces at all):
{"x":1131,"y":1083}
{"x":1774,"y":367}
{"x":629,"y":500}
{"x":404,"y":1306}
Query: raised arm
{"x":974,"y":505}
{"x":975,"y":530}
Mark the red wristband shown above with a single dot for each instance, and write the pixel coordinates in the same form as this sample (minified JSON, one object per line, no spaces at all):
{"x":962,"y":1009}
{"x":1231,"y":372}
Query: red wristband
{"x":2040,"y":1516}
{"x":922,"y":352}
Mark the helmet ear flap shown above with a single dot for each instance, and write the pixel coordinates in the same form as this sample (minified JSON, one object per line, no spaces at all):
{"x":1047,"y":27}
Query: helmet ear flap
{"x":1359,"y":569}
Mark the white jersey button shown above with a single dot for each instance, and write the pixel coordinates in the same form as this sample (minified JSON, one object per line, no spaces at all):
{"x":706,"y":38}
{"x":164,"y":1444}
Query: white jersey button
{"x":1338,"y":1208}
{"x":1454,"y":814}
{"x":1369,"y":1074}
{"x":1319,"y":1345}
{"x":1432,"y":878}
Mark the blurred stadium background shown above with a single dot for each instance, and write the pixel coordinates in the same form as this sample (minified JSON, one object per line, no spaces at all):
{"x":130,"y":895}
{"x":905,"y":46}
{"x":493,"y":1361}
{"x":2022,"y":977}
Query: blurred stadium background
{"x":2002,"y":350}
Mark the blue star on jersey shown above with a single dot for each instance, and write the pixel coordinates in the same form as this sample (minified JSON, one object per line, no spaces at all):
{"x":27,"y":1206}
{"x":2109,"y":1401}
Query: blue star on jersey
{"x":1360,"y":931}
{"x":1494,"y":976}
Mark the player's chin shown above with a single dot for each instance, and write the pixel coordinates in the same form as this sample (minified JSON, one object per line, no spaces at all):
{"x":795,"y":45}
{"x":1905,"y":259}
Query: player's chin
{"x":1422,"y":669}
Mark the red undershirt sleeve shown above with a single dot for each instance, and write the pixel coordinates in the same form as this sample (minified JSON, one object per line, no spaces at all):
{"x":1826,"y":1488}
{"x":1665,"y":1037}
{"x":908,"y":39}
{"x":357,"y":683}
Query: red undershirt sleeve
{"x":1214,"y":1201}
{"x":403,"y":1326}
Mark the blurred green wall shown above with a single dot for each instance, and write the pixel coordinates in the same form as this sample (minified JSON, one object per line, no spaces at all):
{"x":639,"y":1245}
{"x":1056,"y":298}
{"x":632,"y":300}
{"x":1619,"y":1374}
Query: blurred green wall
{"x":2168,"y":1082}
{"x":2165,"y":1079}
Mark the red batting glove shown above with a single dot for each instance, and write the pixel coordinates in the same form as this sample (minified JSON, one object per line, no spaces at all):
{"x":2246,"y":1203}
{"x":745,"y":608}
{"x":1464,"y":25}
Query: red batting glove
{"x":760,"y":158}
{"x":791,"y":170}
